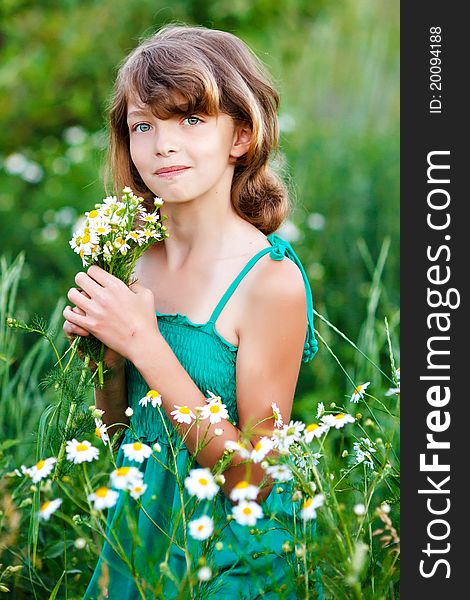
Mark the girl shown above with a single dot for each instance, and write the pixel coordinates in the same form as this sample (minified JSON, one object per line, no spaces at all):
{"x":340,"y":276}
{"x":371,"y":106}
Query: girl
{"x":217,"y":308}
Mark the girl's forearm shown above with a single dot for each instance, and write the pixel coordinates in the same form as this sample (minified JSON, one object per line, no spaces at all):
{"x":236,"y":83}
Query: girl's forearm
{"x":113,"y":398}
{"x":163,"y":372}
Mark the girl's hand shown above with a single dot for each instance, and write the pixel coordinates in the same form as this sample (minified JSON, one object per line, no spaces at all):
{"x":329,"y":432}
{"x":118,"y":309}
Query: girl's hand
{"x":122,"y":317}
{"x":112,"y":359}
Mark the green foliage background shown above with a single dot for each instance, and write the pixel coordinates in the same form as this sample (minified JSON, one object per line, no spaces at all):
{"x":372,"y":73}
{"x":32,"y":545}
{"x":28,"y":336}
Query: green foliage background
{"x":336,"y":65}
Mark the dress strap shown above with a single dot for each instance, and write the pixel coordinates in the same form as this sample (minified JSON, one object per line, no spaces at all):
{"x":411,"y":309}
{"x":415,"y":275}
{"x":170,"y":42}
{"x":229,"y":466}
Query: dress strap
{"x":278,"y":250}
{"x":225,"y":298}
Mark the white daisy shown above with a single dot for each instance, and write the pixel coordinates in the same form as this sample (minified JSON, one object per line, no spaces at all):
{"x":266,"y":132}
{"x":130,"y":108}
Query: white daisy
{"x":136,"y":489}
{"x":202,"y":528}
{"x":289,"y":434}
{"x":151,"y":396}
{"x":136,"y":451}
{"x":48,"y":508}
{"x":84,"y":242}
{"x":246,"y":513}
{"x":279,"y":473}
{"x":237,"y":447}
{"x":182,"y":414}
{"x":158,"y":201}
{"x":102,"y":228}
{"x":215,"y":411}
{"x":204,"y":574}
{"x":200,"y":483}
{"x":244,"y":491}
{"x":314,"y":430}
{"x":392,"y":391}
{"x":79,"y":452}
{"x":261,"y":448}
{"x":310,"y":505}
{"x":358,"y":393}
{"x":135,"y":236}
{"x":338,"y":421}
{"x":278,"y":422}
{"x":103,"y":497}
{"x":150,"y":233}
{"x":129,"y":412}
{"x":101,"y":431}
{"x":150,"y":218}
{"x":121,"y":244}
{"x":41,"y":469}
{"x":320,"y":409}
{"x":124,"y":477}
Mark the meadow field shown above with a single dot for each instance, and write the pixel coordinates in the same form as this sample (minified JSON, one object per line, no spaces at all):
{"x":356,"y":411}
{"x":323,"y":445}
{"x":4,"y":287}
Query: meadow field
{"x":336,"y":65}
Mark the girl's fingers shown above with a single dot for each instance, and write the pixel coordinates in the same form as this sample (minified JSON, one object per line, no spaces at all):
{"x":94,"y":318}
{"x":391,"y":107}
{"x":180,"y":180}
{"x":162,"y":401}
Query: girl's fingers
{"x":71,"y":331}
{"x":81,"y":300}
{"x":79,"y":311}
{"x":74,"y":321}
{"x":89,"y":286}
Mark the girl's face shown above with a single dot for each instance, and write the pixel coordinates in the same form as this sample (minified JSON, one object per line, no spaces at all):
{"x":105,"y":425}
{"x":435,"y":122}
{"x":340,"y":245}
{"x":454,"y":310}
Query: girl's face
{"x":184,"y":158}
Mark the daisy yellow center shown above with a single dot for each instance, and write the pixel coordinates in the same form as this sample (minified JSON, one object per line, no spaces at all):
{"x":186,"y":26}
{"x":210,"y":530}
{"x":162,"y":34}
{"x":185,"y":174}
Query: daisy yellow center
{"x":258,"y":446}
{"x":137,"y":446}
{"x":200,"y":527}
{"x":340,"y":416}
{"x":307,"y":503}
{"x":93,"y":214}
{"x":102,"y":492}
{"x":291,"y":431}
{"x":45,"y":505}
{"x":119,"y":240}
{"x":98,"y":432}
{"x":203,"y":481}
{"x":122,"y":471}
{"x":134,"y":234}
{"x":137,"y":489}
{"x":40,"y":464}
{"x":358,"y":389}
{"x":100,"y":229}
{"x":247,"y":510}
{"x":81,"y":447}
{"x":152,"y":394}
{"x":312,"y":426}
{"x":184,"y":410}
{"x":241,"y":485}
{"x":85,"y":239}
{"x":215,"y":408}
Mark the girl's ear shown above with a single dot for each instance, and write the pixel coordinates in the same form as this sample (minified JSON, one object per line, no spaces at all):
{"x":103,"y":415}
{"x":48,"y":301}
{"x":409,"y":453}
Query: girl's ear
{"x":241,"y":140}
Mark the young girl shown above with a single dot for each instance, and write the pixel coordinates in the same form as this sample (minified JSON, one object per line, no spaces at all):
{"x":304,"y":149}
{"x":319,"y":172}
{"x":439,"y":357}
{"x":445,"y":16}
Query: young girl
{"x":217,"y":307}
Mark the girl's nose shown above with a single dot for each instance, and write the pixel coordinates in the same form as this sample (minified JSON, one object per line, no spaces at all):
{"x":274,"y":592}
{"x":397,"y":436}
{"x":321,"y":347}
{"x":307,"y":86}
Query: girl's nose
{"x":165,"y":141}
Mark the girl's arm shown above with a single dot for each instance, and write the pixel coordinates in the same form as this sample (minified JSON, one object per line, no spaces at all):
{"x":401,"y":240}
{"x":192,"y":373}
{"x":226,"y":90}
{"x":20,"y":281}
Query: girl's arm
{"x":113,"y":398}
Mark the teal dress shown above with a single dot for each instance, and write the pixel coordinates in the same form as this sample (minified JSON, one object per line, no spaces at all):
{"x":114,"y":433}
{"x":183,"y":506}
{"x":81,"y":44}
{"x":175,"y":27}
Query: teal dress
{"x":250,"y":562}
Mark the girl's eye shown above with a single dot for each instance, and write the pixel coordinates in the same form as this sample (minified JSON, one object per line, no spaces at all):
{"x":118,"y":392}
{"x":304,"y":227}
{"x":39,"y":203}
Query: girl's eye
{"x":192,"y":120}
{"x":135,"y":128}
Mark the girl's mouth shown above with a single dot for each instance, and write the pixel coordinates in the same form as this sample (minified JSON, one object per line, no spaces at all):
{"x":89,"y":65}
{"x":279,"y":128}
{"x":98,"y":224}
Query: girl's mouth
{"x":170,"y":171}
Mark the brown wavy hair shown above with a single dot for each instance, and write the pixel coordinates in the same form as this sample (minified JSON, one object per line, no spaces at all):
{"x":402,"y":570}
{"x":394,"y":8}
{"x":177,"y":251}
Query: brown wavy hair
{"x":215,"y":72}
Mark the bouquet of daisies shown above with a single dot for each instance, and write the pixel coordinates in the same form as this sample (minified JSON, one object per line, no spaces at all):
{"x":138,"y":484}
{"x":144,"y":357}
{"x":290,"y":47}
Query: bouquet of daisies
{"x":115,"y":234}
